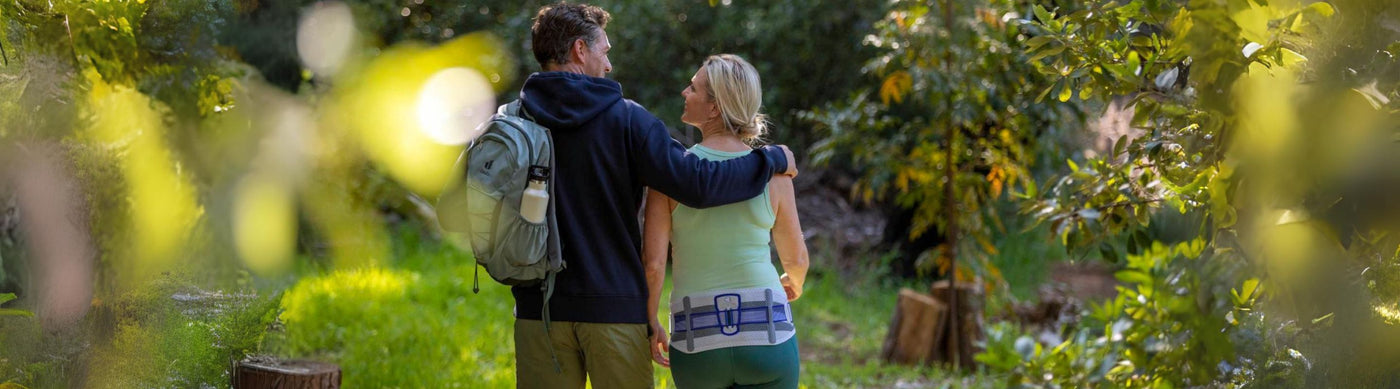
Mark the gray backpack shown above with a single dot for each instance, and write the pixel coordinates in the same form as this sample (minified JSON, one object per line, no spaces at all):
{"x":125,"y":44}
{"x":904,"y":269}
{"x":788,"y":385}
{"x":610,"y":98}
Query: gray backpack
{"x":484,"y":205}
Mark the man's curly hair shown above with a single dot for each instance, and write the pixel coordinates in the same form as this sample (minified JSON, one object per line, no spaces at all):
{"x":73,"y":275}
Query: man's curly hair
{"x":557,"y":26}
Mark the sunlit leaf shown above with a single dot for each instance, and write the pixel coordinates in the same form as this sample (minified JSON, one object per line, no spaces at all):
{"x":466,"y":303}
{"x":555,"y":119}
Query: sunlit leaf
{"x":15,"y":312}
{"x":1373,"y":95}
{"x":1324,"y":318}
{"x":1134,"y":63}
{"x":1322,"y":8}
{"x":1036,"y":42}
{"x":895,"y":86}
{"x":1042,"y":15}
{"x":1132,"y":277}
{"x":1291,"y":58}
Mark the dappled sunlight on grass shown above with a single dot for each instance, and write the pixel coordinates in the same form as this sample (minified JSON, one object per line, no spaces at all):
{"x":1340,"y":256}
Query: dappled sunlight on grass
{"x":416,"y":326}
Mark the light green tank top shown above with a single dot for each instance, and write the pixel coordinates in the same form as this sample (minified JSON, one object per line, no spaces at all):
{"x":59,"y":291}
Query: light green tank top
{"x":724,"y":247}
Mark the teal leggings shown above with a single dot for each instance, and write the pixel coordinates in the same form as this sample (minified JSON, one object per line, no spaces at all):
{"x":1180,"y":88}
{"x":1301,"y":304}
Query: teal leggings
{"x":775,"y":366}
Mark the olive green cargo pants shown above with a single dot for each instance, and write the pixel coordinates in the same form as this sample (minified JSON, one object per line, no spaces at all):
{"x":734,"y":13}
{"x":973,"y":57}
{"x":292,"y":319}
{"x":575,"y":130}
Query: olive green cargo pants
{"x":609,"y":355}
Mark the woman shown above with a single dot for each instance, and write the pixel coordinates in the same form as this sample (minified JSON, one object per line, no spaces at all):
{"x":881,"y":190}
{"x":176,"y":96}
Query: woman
{"x":731,"y":324}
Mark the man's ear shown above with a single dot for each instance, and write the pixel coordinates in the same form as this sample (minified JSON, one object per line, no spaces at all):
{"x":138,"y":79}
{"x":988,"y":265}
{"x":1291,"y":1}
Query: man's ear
{"x":579,"y":51}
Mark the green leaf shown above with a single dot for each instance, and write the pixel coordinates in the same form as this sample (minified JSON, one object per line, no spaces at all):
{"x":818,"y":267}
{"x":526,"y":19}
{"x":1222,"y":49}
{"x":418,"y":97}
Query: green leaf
{"x":1119,"y":145}
{"x":1290,"y":58}
{"x":1124,"y":368}
{"x":1036,"y":42}
{"x":1120,"y":70}
{"x":1066,"y":93}
{"x":1047,"y":90}
{"x":1108,"y":253}
{"x":1133,"y":277}
{"x":1322,"y":8}
{"x":1054,"y":49}
{"x":5,"y":297}
{"x":1192,"y":248}
{"x":1373,"y":95}
{"x":15,"y":312}
{"x":1134,"y":63}
{"x":1040,"y":13}
{"x":1144,"y":218}
{"x":1246,"y":292}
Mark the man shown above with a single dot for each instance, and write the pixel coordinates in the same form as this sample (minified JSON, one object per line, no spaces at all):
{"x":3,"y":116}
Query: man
{"x":609,"y":149}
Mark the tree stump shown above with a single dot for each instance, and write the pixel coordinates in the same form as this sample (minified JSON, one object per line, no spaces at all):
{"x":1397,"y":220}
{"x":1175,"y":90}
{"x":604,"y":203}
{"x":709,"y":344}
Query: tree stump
{"x":296,"y":374}
{"x":969,"y":323}
{"x":919,"y":322}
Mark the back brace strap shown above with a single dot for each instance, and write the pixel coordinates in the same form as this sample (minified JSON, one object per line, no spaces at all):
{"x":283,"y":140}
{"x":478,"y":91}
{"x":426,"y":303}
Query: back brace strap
{"x":727,"y":313}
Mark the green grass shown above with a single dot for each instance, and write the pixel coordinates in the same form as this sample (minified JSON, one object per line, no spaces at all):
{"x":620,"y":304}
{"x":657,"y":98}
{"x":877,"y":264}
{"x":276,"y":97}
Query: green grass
{"x":1024,"y":257}
{"x":418,"y":324}
{"x":143,"y":338}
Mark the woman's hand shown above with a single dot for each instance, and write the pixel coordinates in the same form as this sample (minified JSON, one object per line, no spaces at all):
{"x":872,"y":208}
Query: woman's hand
{"x":660,"y":344}
{"x":793,"y":290}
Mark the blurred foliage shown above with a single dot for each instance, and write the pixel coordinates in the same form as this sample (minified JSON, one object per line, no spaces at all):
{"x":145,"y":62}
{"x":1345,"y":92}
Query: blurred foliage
{"x":7,"y":297}
{"x":1269,"y":126}
{"x":168,"y":333}
{"x":931,"y":80}
{"x":657,"y":45}
{"x":161,"y":129}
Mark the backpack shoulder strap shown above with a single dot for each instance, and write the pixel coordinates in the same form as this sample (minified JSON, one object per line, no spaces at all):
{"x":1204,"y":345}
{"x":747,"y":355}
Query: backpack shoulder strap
{"x":515,"y":108}
{"x":512,"y":108}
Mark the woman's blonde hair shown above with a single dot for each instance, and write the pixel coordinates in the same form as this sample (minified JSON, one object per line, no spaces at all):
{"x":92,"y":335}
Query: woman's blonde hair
{"x":734,"y":86}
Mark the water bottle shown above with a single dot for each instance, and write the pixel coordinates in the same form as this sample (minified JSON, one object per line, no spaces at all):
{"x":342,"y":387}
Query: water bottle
{"x":535,"y":200}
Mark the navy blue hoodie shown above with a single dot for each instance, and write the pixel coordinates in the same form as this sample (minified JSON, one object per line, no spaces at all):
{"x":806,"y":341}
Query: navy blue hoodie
{"x":608,"y":150}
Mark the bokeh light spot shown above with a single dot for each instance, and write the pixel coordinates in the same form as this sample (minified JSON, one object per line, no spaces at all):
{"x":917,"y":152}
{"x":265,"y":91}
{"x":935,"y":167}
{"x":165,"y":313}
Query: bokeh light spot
{"x":452,"y":103}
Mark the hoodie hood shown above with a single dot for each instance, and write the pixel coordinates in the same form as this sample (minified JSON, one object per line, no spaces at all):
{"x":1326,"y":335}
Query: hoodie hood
{"x":563,"y":100}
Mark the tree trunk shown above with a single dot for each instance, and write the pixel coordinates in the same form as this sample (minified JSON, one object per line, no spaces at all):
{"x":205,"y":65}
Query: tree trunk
{"x":917,"y":325}
{"x":286,"y":374}
{"x":949,"y":194}
{"x":969,"y":322}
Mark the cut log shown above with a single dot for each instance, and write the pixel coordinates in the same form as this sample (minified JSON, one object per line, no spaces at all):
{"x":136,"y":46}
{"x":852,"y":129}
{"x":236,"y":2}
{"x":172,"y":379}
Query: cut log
{"x":964,"y":344}
{"x":918,"y":323}
{"x":296,"y":374}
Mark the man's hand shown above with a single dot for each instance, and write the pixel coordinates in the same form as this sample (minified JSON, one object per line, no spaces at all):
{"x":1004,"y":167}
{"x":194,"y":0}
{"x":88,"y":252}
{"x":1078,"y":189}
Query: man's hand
{"x":791,"y":162}
{"x":660,"y":344}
